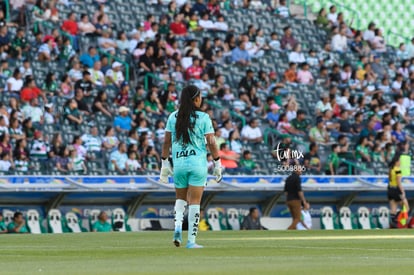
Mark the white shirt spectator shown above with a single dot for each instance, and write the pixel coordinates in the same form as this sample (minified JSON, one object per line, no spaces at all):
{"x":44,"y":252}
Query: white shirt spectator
{"x":283,"y":11}
{"x":75,"y":75}
{"x":275,"y":45}
{"x":323,"y":107}
{"x":45,"y":49}
{"x":118,"y":77}
{"x":251,"y":133}
{"x":400,"y":107}
{"x":5,"y":165}
{"x":369,"y":35}
{"x":221,"y":26}
{"x":225,"y":133}
{"x":333,"y":17}
{"x":133,"y":165}
{"x":49,"y":118}
{"x":25,"y":72}
{"x":34,"y":112}
{"x":150,"y":35}
{"x":186,"y":62}
{"x":339,"y":43}
{"x":92,"y":143}
{"x":15,"y":84}
{"x":206,"y":24}
{"x":296,"y":57}
{"x":396,"y":86}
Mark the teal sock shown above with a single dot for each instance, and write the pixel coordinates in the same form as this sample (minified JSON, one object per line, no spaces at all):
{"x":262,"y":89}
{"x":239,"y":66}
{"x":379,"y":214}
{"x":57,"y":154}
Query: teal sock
{"x":193,"y":220}
{"x":179,"y":209}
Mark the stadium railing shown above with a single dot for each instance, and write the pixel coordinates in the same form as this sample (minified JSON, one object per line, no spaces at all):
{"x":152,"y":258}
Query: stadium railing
{"x":134,"y":191}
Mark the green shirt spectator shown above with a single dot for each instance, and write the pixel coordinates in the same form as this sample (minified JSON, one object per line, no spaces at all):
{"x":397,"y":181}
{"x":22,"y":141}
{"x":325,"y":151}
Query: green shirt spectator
{"x":333,"y":161}
{"x":247,"y":162}
{"x":18,"y":224}
{"x":300,"y":123}
{"x":100,"y":226}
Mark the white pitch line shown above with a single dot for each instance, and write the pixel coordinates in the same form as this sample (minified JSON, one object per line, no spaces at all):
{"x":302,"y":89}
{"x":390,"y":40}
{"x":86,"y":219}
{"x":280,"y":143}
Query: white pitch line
{"x":300,"y":238}
{"x":349,"y":248}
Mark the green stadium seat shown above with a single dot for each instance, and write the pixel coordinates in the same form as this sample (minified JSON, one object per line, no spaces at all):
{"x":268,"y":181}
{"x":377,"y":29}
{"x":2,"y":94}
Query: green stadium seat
{"x":383,"y":217}
{"x":327,"y":218}
{"x":346,"y":218}
{"x":34,"y":222}
{"x":54,"y":221}
{"x":233,"y":219}
{"x":364,"y":218}
{"x":73,"y":224}
{"x":119,"y":220}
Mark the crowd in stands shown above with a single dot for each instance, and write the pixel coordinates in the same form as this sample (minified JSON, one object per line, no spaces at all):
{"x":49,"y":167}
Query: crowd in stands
{"x":363,"y":114}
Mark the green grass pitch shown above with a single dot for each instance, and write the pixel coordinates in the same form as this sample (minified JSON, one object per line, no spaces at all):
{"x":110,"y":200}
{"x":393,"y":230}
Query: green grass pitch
{"x":228,"y":252}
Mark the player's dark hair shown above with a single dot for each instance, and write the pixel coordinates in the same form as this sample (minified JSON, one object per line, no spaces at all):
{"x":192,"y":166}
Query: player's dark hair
{"x":186,"y":114}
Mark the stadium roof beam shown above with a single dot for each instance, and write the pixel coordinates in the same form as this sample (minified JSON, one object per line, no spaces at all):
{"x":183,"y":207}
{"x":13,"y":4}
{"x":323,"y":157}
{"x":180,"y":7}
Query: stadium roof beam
{"x":135,"y":203}
{"x":270,"y":203}
{"x":55,"y":202}
{"x":347,"y":200}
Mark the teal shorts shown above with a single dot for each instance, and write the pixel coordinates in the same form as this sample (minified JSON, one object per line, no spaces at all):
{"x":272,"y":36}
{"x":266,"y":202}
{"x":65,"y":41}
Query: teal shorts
{"x":190,"y":175}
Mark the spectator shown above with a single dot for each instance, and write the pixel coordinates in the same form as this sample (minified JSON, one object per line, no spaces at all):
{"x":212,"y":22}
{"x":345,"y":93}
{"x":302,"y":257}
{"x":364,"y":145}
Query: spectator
{"x":220,"y":25}
{"x":76,"y":161}
{"x":72,"y":114}
{"x":288,"y":42}
{"x":15,"y":130}
{"x":123,"y":122}
{"x":39,"y":148}
{"x":178,"y":28}
{"x":282,"y":10}
{"x":369,"y":34}
{"x":247,"y":163}
{"x":19,"y":46}
{"x":34,"y":112}
{"x":229,"y":158}
{"x":106,"y":43}
{"x":102,"y":224}
{"x":252,"y":220}
{"x":90,"y":58}
{"x":333,"y":161}
{"x":194,"y":71}
{"x":97,"y":77}
{"x":151,"y":159}
{"x":283,"y":126}
{"x":5,"y":164}
{"x":92,"y":141}
{"x":274,"y":43}
{"x":18,"y":225}
{"x":290,"y":74}
{"x":199,"y":7}
{"x":362,"y":150}
{"x":251,"y":132}
{"x":85,"y":84}
{"x":322,"y":20}
{"x":118,"y":159}
{"x":15,"y":83}
{"x":318,"y":133}
{"x":333,"y":16}
{"x":378,"y":42}
{"x":153,"y":105}
{"x":110,"y":141}
{"x":132,"y":163}
{"x":75,"y":73}
{"x":304,"y":76}
{"x":297,"y":55}
{"x":115,"y":76}
{"x":311,"y":160}
{"x":123,"y":96}
{"x":339,"y":41}
{"x":100,"y":104}
{"x":147,"y":64}
{"x":50,"y":85}
{"x":300,"y":125}
{"x":410,"y":49}
{"x":240,"y":55}
{"x":30,"y":91}
{"x":234,"y":141}
{"x":85,"y":27}
{"x":26,"y":69}
{"x":273,"y":115}
{"x":248,"y":82}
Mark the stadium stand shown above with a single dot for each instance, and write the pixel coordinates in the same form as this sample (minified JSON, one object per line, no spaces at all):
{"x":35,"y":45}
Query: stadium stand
{"x":356,"y":90}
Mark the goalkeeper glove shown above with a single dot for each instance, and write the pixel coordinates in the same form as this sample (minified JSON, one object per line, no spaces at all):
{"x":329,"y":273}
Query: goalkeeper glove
{"x":165,"y":171}
{"x":218,"y":170}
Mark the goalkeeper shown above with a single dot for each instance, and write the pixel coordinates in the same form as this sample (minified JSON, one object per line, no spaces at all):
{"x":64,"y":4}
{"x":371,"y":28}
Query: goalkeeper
{"x":187,"y":132}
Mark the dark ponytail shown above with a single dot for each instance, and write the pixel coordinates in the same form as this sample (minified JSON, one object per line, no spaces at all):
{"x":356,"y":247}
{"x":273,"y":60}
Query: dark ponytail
{"x":394,"y":160}
{"x":186,"y":114}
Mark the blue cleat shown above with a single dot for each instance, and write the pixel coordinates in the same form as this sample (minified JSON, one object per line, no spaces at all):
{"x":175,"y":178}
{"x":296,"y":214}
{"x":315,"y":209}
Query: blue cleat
{"x":178,"y":238}
{"x":193,"y":245}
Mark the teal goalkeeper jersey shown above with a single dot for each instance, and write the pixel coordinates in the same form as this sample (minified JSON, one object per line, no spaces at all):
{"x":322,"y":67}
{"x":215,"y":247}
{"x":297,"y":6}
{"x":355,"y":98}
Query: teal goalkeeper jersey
{"x":194,"y":154}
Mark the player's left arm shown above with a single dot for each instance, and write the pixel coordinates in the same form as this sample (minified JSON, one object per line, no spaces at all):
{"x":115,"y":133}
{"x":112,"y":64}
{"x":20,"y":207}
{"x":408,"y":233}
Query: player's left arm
{"x":166,"y":146}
